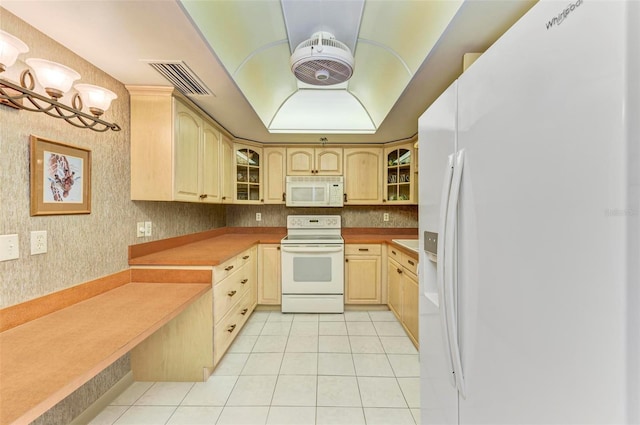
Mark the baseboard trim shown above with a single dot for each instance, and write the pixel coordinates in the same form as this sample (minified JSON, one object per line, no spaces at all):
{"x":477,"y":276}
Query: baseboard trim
{"x":105,"y":399}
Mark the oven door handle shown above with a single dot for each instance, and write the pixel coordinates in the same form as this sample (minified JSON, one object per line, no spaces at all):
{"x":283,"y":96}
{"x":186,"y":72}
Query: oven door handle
{"x":312,"y":249}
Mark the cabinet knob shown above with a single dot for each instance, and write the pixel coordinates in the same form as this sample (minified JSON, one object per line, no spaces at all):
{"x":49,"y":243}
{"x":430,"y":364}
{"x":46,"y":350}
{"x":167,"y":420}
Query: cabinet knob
{"x":393,"y":252}
{"x":231,"y":328}
{"x":284,"y":197}
{"x":399,"y":271}
{"x":228,"y":268}
{"x":411,"y":262}
{"x":278,"y":248}
{"x":363,"y":249}
{"x":231,"y":293}
{"x":345,"y":198}
{"x":244,"y":311}
{"x":384,"y":200}
{"x":224,"y":197}
{"x":204,"y":195}
{"x":346,"y":260}
{"x":245,"y":257}
{"x":243,"y":281}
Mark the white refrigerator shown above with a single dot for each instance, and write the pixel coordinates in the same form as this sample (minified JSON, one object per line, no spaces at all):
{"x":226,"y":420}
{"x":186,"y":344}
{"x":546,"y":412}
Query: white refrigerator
{"x":530,"y":177}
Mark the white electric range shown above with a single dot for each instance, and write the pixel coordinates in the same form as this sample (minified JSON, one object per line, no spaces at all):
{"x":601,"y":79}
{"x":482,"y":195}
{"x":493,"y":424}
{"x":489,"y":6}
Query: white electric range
{"x":313,"y":265}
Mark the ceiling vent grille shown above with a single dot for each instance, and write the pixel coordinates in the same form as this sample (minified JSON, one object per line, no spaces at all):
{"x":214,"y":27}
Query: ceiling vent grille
{"x":182,"y":78}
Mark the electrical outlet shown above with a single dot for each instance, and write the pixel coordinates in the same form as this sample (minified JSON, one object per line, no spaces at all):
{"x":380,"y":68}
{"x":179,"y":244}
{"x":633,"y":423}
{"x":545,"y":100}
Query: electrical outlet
{"x":9,"y":249}
{"x":385,"y":217}
{"x":258,"y":217}
{"x":147,"y":228}
{"x":140,"y":228}
{"x":38,"y":242}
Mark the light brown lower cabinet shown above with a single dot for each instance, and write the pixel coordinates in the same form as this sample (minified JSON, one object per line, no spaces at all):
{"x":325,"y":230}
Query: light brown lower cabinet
{"x":404,"y":291}
{"x":362,"y":274}
{"x":269,"y":275}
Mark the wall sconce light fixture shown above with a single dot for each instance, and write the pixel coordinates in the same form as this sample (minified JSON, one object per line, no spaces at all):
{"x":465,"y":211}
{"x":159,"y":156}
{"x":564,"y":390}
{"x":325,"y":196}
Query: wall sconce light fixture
{"x":56,"y":79}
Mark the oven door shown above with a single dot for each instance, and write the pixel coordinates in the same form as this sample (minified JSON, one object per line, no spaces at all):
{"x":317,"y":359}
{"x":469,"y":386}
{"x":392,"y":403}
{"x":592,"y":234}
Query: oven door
{"x":312,"y":269}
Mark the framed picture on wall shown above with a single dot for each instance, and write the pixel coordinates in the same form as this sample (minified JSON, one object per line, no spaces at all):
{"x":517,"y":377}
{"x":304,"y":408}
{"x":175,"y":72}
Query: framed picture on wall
{"x":60,"y":178}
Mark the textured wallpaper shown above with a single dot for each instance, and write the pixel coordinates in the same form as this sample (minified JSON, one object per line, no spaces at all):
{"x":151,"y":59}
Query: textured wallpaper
{"x":352,"y":216}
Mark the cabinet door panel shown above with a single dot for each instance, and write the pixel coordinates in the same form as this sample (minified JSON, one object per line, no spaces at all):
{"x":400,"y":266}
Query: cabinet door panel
{"x":363,"y":175}
{"x":328,"y":161}
{"x":362,"y":280}
{"x":188,"y":129}
{"x":228,"y":173}
{"x":269,"y":277}
{"x":410,"y":296}
{"x":210,"y":189}
{"x":274,"y":162}
{"x":394,"y":280}
{"x":300,"y":161}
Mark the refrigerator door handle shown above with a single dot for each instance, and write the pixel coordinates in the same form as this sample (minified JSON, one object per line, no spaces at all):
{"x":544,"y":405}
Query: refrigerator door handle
{"x":449,"y":272}
{"x":440,"y":269}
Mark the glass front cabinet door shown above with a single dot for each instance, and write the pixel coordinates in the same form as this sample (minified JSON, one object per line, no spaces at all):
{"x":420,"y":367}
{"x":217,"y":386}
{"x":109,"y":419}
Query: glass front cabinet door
{"x":248,"y":174}
{"x":399,"y":174}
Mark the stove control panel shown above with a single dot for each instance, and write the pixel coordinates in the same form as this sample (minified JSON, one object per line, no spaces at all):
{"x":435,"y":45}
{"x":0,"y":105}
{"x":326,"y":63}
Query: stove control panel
{"x":314,"y":222}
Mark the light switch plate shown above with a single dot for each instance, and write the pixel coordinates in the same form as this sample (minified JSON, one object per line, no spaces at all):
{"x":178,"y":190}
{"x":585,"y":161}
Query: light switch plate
{"x":38,"y":242}
{"x":9,"y":248}
{"x":140,"y":228}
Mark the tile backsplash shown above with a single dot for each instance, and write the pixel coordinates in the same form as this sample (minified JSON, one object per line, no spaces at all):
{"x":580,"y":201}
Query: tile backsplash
{"x":400,"y":216}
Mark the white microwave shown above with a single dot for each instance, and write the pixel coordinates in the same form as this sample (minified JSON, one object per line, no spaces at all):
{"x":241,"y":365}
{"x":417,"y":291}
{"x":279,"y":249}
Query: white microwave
{"x":314,"y":191}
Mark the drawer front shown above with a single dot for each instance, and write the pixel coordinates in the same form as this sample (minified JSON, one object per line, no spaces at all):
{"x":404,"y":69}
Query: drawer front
{"x":227,"y":292}
{"x":362,"y":249}
{"x":410,"y":263}
{"x":395,"y":253}
{"x":221,"y":271}
{"x":247,"y":256}
{"x":229,"y":327}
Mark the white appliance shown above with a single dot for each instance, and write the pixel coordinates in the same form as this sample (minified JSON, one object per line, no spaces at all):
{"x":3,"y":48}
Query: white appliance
{"x":314,"y":191}
{"x":312,"y":256}
{"x":530,"y":177}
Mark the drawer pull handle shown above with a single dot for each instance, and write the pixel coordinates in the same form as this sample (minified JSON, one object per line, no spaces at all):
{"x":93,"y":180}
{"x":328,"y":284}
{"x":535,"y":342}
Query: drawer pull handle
{"x":363,"y":249}
{"x":231,"y":328}
{"x":231,"y":293}
{"x":243,"y":281}
{"x":244,"y":311}
{"x":411,"y":262}
{"x":245,"y":257}
{"x":399,"y":271}
{"x":228,"y":268}
{"x":393,"y":252}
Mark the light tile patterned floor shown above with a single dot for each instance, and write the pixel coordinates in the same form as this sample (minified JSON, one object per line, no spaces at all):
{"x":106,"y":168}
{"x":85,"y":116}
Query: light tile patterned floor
{"x":320,"y":369}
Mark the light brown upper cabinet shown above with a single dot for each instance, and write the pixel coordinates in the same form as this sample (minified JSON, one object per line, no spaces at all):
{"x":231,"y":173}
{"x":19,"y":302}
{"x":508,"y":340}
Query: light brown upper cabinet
{"x":175,"y":151}
{"x":227,"y":166}
{"x":305,"y":161}
{"x":399,"y":174}
{"x":274,"y":175}
{"x":363,"y":176}
{"x":248,"y":174}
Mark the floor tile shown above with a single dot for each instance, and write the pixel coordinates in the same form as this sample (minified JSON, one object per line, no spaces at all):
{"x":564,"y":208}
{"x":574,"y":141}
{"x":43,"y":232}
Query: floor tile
{"x":331,"y":317}
{"x":165,"y":394}
{"x":299,"y":364}
{"x":263,"y":364}
{"x":306,"y":317}
{"x":382,"y":316}
{"x":387,"y":416}
{"x":340,"y":416}
{"x":398,"y":345}
{"x":243,"y":344}
{"x":259,"y":317}
{"x":381,"y":392}
{"x":302,"y":344}
{"x":243,"y":415}
{"x":372,"y":365}
{"x":279,"y":415}
{"x":304,"y":328}
{"x":338,"y":391}
{"x":405,"y":365}
{"x":340,"y":364}
{"x":366,"y":344}
{"x":276,"y":316}
{"x":146,"y":415}
{"x":252,"y":328}
{"x":334,"y":344}
{"x":270,"y":344}
{"x":416,"y":415}
{"x":195,"y":415}
{"x":361,"y":328}
{"x":389,"y":329}
{"x":231,"y":364}
{"x":332,"y":328}
{"x":411,"y":390}
{"x":276,"y":328}
{"x":214,"y":392}
{"x":131,"y":394}
{"x":357,"y":316}
{"x":295,"y":390}
{"x":253,"y":391}
{"x":109,"y":415}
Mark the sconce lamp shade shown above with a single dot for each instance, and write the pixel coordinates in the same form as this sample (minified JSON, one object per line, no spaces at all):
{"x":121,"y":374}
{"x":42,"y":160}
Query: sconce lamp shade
{"x":97,"y":99}
{"x":10,"y":48}
{"x":55,"y":78}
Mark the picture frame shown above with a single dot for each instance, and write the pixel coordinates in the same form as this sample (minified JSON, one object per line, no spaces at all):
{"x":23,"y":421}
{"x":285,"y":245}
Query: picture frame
{"x":60,"y":178}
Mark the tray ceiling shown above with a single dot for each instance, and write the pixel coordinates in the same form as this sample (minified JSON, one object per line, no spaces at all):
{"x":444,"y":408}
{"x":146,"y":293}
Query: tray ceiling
{"x":406,"y":53}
